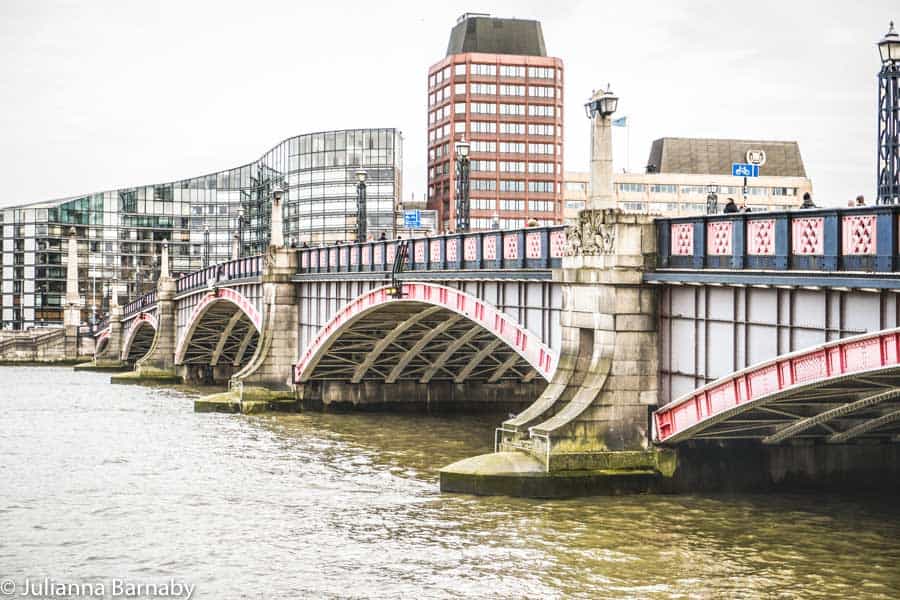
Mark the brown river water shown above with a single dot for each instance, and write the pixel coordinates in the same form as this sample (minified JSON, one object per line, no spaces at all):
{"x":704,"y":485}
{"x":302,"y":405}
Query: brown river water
{"x":103,"y":483}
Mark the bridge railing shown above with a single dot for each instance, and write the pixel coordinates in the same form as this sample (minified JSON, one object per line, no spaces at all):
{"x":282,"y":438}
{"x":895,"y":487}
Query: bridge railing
{"x":530,"y":248}
{"x":140,"y":303}
{"x":833,"y":239}
{"x":241,"y":268}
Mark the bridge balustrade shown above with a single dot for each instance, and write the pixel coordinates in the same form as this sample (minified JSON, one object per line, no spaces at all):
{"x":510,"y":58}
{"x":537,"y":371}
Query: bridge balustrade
{"x":531,"y":248}
{"x":835,"y":239}
{"x":138,"y":304}
{"x":242,"y":268}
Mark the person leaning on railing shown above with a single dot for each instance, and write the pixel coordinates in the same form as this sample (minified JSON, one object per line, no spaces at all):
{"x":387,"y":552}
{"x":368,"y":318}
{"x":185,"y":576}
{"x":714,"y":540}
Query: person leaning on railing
{"x":807,"y":201}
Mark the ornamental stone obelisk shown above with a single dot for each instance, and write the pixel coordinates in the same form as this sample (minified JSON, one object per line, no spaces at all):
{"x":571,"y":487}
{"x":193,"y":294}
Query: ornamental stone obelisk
{"x":74,"y":303}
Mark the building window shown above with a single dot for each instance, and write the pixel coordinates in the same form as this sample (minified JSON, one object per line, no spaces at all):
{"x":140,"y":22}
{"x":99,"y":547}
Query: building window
{"x":483,"y":185}
{"x":511,"y":166}
{"x":483,"y":165}
{"x":459,"y":69}
{"x":512,"y":128}
{"x":541,"y":110}
{"x":540,"y":149}
{"x":483,"y":203}
{"x":541,"y":129}
{"x":512,"y":71}
{"x":541,"y":91}
{"x":512,"y":147}
{"x":540,"y":205}
{"x":483,"y":127}
{"x":512,"y":185}
{"x":460,"y":108}
{"x":662,"y":188}
{"x":541,"y":187}
{"x":459,"y":89}
{"x":514,"y":205}
{"x":517,"y":110}
{"x":484,"y":108}
{"x":482,"y":89}
{"x":540,"y":167}
{"x":541,"y":72}
{"x":484,"y":70}
{"x":482,"y":146}
{"x":512,"y":90}
{"x":581,"y":187}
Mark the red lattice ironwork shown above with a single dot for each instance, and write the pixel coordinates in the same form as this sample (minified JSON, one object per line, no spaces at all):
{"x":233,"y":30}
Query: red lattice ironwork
{"x":533,"y":244}
{"x":435,"y":251}
{"x":859,"y":234}
{"x":379,"y":254}
{"x":809,"y":368}
{"x":332,"y":257}
{"x":682,"y":239}
{"x":510,"y":247}
{"x":304,"y":260}
{"x":558,"y":244}
{"x":489,"y":247}
{"x":470,"y":248}
{"x":354,"y":255}
{"x":761,"y":237}
{"x":808,"y":236}
{"x":420,"y":251}
{"x":718,"y":238}
{"x":452,"y":250}
{"x":391,"y":251}
{"x":367,"y":255}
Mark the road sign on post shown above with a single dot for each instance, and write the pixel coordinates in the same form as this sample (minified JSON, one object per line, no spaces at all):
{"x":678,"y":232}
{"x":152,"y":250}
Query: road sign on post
{"x":744,"y":170}
{"x":412,"y":219}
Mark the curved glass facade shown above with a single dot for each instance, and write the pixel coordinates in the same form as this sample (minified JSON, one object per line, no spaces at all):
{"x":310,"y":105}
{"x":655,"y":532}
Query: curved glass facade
{"x":120,"y":232}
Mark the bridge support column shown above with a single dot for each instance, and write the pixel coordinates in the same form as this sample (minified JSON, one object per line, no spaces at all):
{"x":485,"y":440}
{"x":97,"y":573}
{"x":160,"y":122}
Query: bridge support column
{"x":109,"y":358}
{"x":158,"y":366}
{"x":593,"y":419}
{"x":266,"y":382}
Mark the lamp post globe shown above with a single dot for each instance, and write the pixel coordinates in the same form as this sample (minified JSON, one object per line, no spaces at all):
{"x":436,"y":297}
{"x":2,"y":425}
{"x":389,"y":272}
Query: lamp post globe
{"x":889,"y":46}
{"x":888,"y":150}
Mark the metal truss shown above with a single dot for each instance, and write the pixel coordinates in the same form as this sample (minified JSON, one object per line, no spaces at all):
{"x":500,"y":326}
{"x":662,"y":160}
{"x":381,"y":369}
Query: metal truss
{"x":413,"y":341}
{"x":141,"y":342}
{"x":224,"y":335}
{"x":838,"y":411}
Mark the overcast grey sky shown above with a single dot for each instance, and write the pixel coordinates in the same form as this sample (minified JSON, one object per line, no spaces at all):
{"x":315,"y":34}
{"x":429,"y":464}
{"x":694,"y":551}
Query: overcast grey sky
{"x":102,"y":94}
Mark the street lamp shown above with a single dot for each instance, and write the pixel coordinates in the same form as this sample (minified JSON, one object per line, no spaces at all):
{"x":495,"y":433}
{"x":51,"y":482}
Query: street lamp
{"x":888,"y":182}
{"x":712,"y":199}
{"x":462,"y":186}
{"x":361,"y":216}
{"x":599,"y":109}
{"x":205,"y":246}
{"x":240,"y":231}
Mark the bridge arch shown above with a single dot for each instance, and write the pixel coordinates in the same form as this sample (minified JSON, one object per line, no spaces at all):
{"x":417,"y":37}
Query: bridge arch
{"x":838,"y":392}
{"x":430,"y":333}
{"x":139,"y":337}
{"x":223,"y":330}
{"x":102,"y":342}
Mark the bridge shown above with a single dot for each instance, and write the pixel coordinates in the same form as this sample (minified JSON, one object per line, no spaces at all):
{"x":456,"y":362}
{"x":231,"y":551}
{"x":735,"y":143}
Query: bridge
{"x":668,"y":351}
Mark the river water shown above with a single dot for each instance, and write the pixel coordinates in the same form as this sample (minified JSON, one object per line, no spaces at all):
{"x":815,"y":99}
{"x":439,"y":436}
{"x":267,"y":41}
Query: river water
{"x":102,"y":482}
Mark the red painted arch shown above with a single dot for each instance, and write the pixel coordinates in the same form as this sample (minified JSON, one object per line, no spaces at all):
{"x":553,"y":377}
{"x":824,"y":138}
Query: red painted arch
{"x":134,"y":326}
{"x":525,"y":343}
{"x":226,"y":294}
{"x":819,"y":364}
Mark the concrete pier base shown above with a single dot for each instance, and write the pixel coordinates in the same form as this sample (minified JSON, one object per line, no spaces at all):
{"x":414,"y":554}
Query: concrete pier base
{"x":102,"y":366}
{"x":697,"y":469}
{"x":147,"y":376}
{"x":249,"y":400}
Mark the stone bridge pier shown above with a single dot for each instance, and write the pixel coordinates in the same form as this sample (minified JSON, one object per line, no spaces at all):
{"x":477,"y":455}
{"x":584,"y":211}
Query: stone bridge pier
{"x":595,"y":413}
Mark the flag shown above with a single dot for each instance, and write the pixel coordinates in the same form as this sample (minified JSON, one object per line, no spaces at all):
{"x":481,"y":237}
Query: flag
{"x":620,"y":122}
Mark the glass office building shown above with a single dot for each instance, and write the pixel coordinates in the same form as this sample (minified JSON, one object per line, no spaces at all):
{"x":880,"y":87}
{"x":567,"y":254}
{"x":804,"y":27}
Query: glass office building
{"x":120,"y":232}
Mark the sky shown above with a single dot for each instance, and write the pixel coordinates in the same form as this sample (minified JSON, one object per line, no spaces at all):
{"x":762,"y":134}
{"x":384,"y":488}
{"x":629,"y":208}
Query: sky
{"x":115,"y":93}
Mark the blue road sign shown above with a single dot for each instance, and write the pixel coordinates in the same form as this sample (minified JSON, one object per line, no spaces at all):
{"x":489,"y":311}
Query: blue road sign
{"x":412,"y":219}
{"x":744,"y":170}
